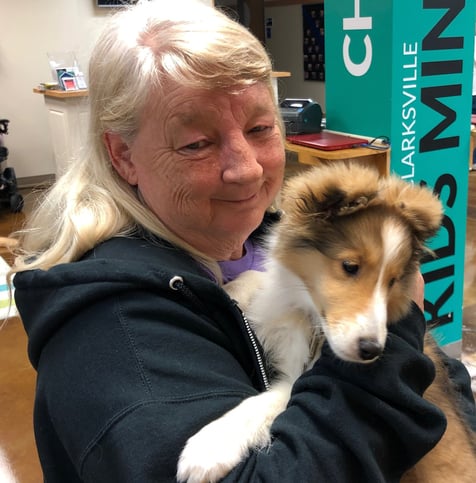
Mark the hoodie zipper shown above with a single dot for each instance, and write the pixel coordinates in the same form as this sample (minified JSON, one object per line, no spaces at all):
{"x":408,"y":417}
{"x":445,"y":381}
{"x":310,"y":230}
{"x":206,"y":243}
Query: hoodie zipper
{"x":254,"y":344}
{"x":177,"y":283}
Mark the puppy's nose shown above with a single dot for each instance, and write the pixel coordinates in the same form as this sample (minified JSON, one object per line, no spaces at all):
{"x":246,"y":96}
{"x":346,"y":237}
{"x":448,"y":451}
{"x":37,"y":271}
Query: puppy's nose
{"x":369,"y":349}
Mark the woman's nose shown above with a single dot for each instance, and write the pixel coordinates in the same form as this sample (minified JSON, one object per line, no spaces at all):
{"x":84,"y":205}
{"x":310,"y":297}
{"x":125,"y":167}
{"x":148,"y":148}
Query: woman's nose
{"x":240,"y":162}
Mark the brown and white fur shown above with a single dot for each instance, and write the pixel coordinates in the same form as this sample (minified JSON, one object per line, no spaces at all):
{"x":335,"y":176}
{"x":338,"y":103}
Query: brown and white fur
{"x":341,"y":266}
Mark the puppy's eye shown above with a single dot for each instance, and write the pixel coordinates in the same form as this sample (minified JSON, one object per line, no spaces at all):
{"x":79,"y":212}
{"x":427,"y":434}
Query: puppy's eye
{"x":391,"y":283}
{"x":351,"y":268}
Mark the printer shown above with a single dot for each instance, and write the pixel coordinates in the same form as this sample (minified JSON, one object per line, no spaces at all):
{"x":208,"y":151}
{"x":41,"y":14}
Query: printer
{"x":301,"y":116}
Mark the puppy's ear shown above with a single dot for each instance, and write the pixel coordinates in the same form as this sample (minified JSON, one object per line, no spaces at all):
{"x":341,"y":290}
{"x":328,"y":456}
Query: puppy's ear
{"x":417,"y":204}
{"x":335,"y":202}
{"x":329,"y":191}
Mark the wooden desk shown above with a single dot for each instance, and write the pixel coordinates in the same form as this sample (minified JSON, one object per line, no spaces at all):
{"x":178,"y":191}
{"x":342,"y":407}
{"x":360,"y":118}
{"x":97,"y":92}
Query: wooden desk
{"x":371,"y":157}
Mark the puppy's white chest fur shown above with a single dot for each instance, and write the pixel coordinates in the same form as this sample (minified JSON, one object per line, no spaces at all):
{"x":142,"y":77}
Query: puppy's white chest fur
{"x":285,"y":320}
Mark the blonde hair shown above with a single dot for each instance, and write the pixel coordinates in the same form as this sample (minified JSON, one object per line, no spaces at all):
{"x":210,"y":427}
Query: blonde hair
{"x":141,"y":49}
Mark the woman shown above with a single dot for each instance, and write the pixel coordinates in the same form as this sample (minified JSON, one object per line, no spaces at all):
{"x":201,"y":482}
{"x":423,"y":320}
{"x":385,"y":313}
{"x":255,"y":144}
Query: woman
{"x":136,"y":344}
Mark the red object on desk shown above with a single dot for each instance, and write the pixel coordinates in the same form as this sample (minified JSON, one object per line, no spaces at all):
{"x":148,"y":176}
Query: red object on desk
{"x":473,"y":118}
{"x":326,"y":140}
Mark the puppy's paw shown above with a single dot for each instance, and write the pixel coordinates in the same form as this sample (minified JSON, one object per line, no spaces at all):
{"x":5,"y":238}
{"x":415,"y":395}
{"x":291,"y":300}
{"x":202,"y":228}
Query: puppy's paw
{"x":243,"y":288}
{"x":217,"y":448}
{"x":210,"y":454}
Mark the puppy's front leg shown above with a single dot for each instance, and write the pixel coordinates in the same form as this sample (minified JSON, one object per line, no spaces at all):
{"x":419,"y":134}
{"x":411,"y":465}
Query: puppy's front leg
{"x":217,"y":448}
{"x":243,"y":289}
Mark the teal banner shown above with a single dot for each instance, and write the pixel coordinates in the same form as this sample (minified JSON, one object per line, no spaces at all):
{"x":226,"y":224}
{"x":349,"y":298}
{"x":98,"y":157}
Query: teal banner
{"x":403,"y":69}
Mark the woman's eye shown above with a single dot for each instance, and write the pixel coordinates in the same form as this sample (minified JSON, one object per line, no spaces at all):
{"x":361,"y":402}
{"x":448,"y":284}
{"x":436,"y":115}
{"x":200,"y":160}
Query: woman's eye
{"x":196,"y":145}
{"x":258,"y":129}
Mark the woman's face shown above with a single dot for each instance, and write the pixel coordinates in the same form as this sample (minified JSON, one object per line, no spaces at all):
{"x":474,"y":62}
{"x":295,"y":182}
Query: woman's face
{"x":208,"y":164}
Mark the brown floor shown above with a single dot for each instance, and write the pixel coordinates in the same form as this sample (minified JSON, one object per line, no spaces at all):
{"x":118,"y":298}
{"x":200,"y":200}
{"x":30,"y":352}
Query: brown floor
{"x":18,"y":457}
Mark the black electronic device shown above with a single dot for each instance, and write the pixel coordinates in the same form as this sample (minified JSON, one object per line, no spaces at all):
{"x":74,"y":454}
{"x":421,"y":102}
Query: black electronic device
{"x":9,"y":194}
{"x":301,"y":116}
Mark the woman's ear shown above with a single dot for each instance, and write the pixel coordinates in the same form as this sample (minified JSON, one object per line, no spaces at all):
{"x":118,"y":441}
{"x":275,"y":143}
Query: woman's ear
{"x":120,"y":156}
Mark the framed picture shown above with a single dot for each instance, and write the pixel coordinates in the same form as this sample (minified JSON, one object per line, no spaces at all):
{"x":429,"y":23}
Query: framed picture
{"x":67,"y":79}
{"x":313,"y":42}
{"x":69,"y":83}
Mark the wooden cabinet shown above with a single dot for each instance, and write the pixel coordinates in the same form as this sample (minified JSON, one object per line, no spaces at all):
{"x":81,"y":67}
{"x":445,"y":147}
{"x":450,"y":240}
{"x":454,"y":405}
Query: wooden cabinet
{"x":68,"y":117}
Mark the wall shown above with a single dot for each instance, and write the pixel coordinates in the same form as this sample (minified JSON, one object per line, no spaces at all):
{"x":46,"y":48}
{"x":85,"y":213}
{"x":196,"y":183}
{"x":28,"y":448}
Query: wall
{"x":29,"y":29}
{"x":285,"y":48}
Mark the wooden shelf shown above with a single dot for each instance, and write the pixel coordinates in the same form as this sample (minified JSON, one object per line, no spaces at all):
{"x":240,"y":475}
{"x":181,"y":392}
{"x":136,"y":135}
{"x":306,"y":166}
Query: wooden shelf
{"x":280,"y":74}
{"x":59,"y":94}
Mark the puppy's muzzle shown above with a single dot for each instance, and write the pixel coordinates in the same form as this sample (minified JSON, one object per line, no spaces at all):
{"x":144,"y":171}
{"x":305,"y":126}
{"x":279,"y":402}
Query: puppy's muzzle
{"x":369,"y":349}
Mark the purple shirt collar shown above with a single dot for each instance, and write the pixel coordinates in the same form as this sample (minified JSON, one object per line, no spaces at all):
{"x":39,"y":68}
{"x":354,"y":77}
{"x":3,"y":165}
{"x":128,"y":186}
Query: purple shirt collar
{"x":252,"y":260}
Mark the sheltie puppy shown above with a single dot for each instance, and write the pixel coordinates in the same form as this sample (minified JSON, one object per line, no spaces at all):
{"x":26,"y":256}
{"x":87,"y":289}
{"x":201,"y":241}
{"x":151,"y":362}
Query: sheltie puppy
{"x":341,"y":266}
